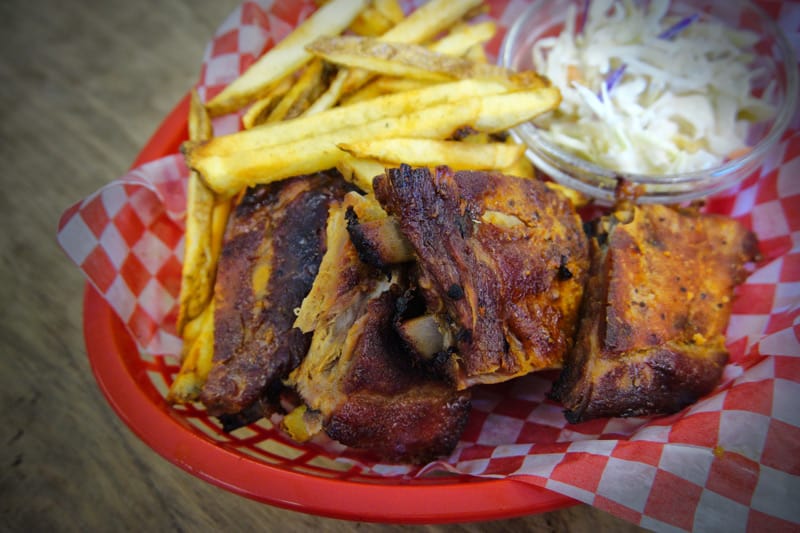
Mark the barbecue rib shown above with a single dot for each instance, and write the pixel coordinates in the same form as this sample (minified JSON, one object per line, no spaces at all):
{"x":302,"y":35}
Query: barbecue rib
{"x":501,"y":262}
{"x":357,"y":373}
{"x":651,"y":336}
{"x":270,"y":255}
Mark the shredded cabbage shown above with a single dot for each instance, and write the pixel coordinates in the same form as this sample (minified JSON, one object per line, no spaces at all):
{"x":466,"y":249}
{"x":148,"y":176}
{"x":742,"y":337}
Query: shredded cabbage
{"x":648,"y":93}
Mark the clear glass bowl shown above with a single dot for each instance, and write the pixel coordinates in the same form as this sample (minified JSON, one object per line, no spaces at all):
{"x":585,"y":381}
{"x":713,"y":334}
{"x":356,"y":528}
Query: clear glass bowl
{"x":775,"y":55}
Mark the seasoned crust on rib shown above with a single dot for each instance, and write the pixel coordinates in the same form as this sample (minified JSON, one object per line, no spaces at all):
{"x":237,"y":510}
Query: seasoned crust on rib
{"x":358,"y":374}
{"x":502,"y":262}
{"x":271,"y":251}
{"x":651,"y":336}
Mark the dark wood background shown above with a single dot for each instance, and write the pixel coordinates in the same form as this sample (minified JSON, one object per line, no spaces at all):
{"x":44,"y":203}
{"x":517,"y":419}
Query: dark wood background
{"x":83,"y":85}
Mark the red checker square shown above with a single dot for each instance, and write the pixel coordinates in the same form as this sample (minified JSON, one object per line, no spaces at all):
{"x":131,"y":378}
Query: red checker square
{"x":580,"y":469}
{"x":755,"y":397}
{"x":213,"y":90}
{"x":673,"y":500}
{"x":167,"y":231}
{"x":474,"y":425}
{"x":639,"y":451}
{"x":170,"y":276}
{"x":733,"y":476}
{"x":227,"y":43}
{"x":135,"y":274}
{"x":591,"y":427}
{"x":780,"y":448}
{"x":617,"y":509}
{"x":792,"y":148}
{"x":780,"y":322}
{"x":67,"y":215}
{"x":99,"y":268}
{"x":754,"y":298}
{"x":700,"y":429}
{"x":538,"y":433}
{"x":246,"y":60}
{"x":129,"y":224}
{"x":788,"y":367}
{"x":775,"y":247}
{"x":790,"y":271}
{"x":252,"y":14}
{"x":514,"y":407}
{"x":291,"y":12}
{"x":476,"y":452}
{"x":95,"y":216}
{"x":768,"y":187}
{"x":792,"y":212}
{"x":721,"y":204}
{"x":758,"y":522}
{"x":142,"y":325}
{"x":504,"y":465}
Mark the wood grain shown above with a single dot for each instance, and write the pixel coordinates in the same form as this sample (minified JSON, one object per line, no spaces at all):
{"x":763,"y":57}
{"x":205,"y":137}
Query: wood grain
{"x":84,"y":84}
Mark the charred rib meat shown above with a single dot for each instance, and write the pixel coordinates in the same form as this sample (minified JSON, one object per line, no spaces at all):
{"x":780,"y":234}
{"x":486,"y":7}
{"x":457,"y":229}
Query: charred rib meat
{"x":270,"y":255}
{"x":502,"y":263}
{"x":357,"y":373}
{"x":651,"y":336}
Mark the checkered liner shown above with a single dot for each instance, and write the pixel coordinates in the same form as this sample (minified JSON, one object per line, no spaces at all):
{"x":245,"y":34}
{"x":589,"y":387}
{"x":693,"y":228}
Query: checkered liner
{"x":729,"y":462}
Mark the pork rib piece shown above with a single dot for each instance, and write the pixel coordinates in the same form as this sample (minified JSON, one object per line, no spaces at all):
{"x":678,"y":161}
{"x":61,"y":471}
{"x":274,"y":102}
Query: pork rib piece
{"x":357,"y":374}
{"x":501,"y":261}
{"x":270,"y":255}
{"x":651,"y":336}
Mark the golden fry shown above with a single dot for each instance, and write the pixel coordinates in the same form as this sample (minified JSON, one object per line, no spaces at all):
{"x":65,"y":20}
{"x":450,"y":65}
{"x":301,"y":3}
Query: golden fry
{"x":258,"y":112}
{"x":430,"y":152}
{"x":415,"y":61}
{"x":371,"y":23}
{"x":464,"y":37}
{"x":305,"y":90}
{"x":390,"y":9}
{"x":339,"y":118}
{"x":331,"y":95}
{"x":359,"y":171}
{"x":286,"y":57}
{"x":197,"y":271}
{"x":423,"y":24}
{"x":228,"y":174}
{"x":198,"y":354}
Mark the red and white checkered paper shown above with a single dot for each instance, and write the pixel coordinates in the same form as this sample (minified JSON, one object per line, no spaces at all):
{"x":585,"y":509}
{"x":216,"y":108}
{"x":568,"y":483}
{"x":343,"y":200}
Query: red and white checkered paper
{"x":731,"y":462}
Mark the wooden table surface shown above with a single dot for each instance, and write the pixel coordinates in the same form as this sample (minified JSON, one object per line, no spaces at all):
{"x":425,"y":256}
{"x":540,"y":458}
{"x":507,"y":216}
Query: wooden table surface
{"x":84,"y":84}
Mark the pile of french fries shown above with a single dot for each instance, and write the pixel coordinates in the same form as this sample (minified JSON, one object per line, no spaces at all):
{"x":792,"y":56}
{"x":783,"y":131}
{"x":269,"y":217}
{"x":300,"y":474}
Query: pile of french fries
{"x":358,"y":86}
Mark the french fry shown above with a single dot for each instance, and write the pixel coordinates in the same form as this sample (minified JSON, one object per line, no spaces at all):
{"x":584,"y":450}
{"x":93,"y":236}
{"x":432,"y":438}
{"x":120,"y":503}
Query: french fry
{"x":578,"y":200}
{"x":390,"y":9}
{"x":286,"y":57}
{"x":371,"y":23}
{"x":430,"y":152}
{"x":228,"y":174}
{"x":415,"y":61}
{"x":464,"y":37}
{"x":197,"y":271}
{"x":258,"y":112}
{"x":423,"y":24}
{"x":359,"y":171}
{"x":340,"y":118}
{"x":305,"y":90}
{"x":428,"y":20}
{"x":388,"y":84}
{"x":477,"y":54}
{"x":198,"y":355}
{"x":331,"y":95}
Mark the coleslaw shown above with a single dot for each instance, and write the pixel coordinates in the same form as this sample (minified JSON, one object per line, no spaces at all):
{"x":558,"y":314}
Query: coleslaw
{"x":650,"y":93}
